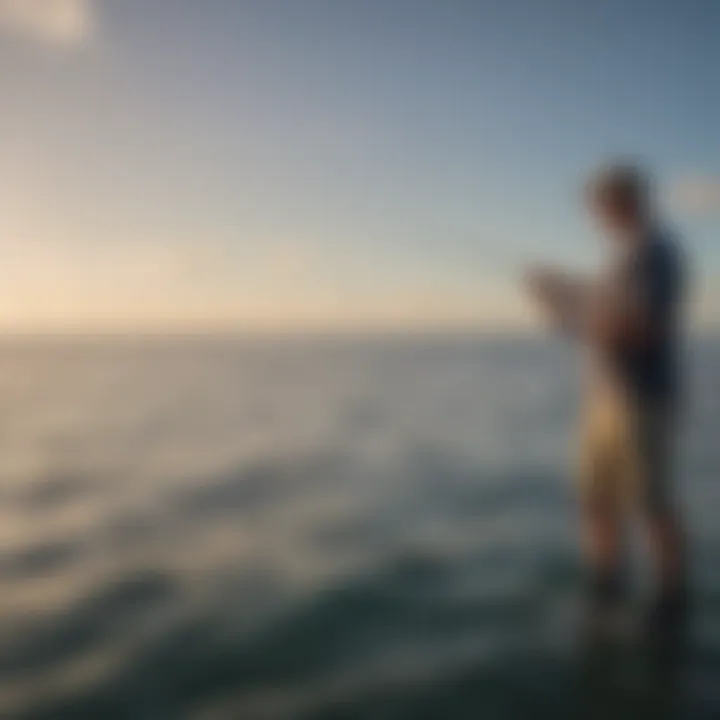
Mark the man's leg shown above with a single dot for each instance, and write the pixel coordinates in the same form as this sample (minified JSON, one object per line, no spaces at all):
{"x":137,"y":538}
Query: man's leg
{"x":601,"y":499}
{"x":669,"y":612}
{"x":667,"y":541}
{"x":602,"y":541}
{"x":664,"y":529}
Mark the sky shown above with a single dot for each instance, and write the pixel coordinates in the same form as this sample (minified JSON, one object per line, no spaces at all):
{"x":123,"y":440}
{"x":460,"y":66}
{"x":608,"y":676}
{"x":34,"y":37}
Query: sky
{"x":336,"y":163}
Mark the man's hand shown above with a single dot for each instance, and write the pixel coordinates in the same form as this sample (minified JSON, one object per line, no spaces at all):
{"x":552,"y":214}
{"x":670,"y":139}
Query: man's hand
{"x":548,"y":287}
{"x":563,"y":297}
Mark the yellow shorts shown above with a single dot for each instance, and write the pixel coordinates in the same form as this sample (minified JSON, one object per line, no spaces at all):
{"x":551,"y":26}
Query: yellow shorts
{"x":625,"y":453}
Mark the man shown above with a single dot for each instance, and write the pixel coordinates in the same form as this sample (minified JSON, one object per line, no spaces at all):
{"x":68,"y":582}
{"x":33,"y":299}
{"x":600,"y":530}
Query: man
{"x":629,"y":321}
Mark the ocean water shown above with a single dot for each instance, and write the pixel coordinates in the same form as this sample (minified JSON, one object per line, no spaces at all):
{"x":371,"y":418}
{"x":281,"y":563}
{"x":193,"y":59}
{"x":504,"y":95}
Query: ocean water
{"x":318,"y":527}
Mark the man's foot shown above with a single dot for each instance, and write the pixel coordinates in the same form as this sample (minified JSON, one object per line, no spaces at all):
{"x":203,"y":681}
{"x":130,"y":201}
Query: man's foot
{"x":606,"y":613}
{"x":669,"y":611}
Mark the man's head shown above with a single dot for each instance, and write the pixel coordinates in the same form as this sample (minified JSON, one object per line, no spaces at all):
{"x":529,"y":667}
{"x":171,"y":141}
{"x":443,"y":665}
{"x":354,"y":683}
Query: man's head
{"x":619,"y":196}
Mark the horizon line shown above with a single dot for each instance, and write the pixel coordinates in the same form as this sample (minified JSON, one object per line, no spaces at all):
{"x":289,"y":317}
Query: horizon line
{"x":369,"y":330}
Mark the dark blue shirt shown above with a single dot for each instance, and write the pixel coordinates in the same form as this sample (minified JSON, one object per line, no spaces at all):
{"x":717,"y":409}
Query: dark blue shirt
{"x":654,"y":278}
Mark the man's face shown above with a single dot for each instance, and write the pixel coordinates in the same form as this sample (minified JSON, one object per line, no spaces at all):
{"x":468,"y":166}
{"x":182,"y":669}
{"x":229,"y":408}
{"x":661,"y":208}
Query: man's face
{"x":616,"y":219}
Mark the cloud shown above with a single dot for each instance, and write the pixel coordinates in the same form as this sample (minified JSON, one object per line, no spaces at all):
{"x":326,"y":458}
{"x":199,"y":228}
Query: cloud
{"x":697,"y":195}
{"x":59,"y":22}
